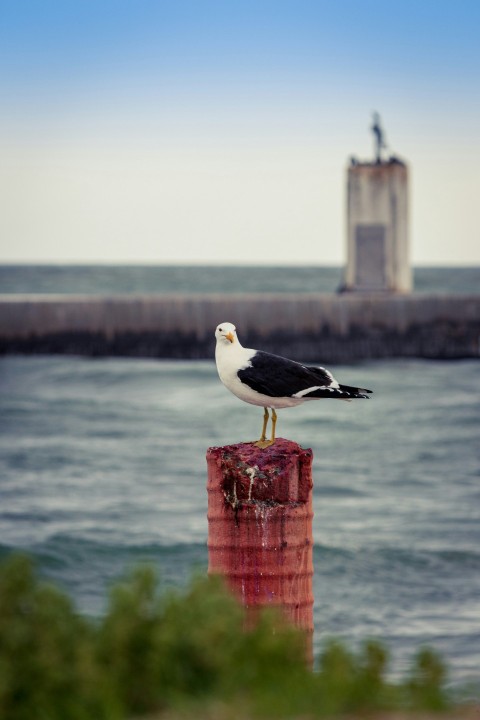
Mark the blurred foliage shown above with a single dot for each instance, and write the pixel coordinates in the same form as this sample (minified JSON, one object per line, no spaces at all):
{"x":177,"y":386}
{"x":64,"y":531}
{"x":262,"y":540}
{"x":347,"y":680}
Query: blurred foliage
{"x":187,"y":654}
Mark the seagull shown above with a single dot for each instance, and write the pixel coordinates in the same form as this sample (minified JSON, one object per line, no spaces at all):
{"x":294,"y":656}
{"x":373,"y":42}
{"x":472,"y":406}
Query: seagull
{"x":272,"y":381}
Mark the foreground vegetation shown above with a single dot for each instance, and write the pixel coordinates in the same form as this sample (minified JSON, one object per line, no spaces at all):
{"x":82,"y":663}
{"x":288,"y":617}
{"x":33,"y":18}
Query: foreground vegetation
{"x":182,"y":652}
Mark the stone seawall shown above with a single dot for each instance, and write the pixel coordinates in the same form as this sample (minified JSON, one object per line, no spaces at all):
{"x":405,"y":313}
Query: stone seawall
{"x":310,"y":326}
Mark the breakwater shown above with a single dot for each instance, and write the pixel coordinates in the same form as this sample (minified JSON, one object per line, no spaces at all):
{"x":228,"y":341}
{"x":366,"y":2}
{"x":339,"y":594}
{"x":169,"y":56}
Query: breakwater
{"x":308,"y":326}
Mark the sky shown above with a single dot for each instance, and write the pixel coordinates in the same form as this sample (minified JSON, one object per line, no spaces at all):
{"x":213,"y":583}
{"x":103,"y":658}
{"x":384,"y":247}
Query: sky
{"x":209,"y":131}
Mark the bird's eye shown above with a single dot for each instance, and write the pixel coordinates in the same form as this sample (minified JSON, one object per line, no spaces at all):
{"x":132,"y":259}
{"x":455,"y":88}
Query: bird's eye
{"x":220,"y":329}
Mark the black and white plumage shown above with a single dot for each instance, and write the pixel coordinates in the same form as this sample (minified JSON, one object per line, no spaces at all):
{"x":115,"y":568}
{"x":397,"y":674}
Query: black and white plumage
{"x":272,"y":381}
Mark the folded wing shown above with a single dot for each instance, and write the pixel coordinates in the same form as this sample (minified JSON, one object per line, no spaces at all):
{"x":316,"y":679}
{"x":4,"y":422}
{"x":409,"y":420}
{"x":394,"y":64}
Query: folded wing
{"x":276,"y":376}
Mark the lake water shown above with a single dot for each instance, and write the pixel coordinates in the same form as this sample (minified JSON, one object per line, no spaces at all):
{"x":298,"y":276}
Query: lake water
{"x":102,"y":465}
{"x":109,"y":280}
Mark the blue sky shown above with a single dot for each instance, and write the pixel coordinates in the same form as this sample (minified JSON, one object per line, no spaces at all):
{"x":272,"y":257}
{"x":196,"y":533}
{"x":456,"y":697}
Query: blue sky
{"x":220,"y":131}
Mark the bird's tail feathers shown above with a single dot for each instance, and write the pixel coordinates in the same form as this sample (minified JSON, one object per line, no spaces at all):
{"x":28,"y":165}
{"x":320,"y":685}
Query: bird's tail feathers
{"x":342,"y":392}
{"x":355,"y":392}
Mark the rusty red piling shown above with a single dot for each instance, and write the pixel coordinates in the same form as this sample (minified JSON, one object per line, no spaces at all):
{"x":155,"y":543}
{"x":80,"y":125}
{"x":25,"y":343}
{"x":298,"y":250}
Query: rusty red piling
{"x":260,"y":526}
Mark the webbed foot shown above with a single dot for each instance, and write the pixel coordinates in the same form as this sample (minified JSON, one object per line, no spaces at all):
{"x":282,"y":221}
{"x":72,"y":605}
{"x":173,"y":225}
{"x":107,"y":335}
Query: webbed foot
{"x":262,"y":444}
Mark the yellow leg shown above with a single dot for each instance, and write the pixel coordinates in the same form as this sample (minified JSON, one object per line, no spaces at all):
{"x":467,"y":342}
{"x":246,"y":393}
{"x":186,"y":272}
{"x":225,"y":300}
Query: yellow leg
{"x":263,"y":437}
{"x":265,"y":421}
{"x":274,"y":424}
{"x":263,"y":442}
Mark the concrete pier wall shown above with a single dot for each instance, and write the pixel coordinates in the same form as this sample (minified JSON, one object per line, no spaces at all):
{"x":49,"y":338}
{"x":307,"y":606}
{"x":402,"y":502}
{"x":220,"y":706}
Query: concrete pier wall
{"x":310,"y":326}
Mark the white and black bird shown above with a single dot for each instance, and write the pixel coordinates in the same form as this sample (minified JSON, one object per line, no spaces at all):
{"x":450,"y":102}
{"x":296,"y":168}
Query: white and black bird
{"x":272,"y":381}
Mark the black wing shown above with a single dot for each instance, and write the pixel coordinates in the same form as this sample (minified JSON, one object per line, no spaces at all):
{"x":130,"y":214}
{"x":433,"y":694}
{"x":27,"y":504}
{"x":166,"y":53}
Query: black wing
{"x":277,"y":376}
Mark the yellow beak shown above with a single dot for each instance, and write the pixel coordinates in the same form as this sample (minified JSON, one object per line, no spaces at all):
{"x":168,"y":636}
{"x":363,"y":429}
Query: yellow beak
{"x":230,"y":337}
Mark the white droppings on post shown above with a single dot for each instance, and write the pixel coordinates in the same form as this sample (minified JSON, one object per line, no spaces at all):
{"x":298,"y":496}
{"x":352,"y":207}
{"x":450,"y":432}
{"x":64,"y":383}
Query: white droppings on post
{"x":251,"y":472}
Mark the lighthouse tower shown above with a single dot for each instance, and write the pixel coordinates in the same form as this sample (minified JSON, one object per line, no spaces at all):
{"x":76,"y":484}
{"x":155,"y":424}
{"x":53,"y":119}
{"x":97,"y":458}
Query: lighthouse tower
{"x":377,"y":223}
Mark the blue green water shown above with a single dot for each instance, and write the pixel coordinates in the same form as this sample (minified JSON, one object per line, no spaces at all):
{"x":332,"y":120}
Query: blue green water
{"x":102,"y":464}
{"x":107,"y":280}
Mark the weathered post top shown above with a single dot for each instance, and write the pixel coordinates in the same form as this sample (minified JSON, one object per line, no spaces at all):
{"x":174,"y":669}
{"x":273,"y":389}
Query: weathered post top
{"x":260,"y":527}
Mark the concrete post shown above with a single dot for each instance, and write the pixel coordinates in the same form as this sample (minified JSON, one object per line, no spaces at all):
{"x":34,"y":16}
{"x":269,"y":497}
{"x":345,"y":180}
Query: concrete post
{"x":260,"y":527}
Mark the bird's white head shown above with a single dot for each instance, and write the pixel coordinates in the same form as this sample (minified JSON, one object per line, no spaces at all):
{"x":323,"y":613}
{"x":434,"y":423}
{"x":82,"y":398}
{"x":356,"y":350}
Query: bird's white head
{"x":226,"y":333}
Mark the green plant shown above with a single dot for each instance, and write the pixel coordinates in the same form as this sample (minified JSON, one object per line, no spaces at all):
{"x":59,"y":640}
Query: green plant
{"x":425,"y":686}
{"x":186,"y":652}
{"x":47,"y":665}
